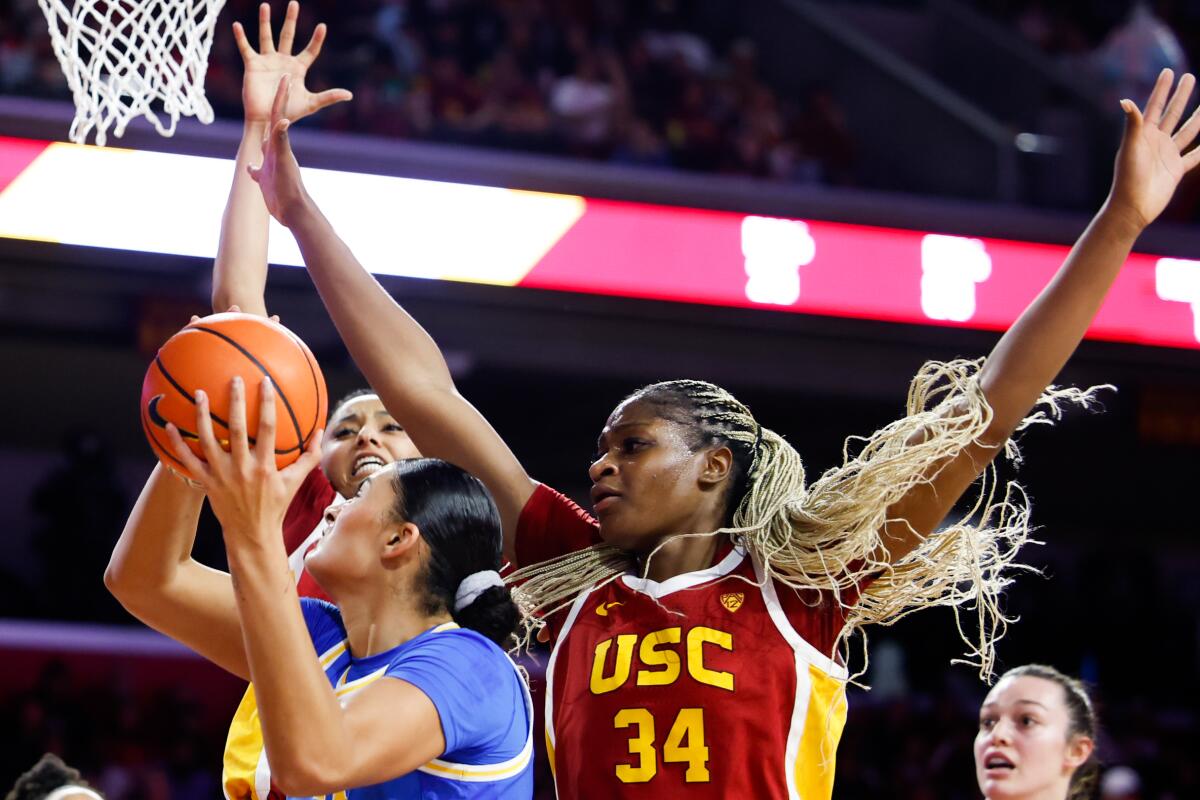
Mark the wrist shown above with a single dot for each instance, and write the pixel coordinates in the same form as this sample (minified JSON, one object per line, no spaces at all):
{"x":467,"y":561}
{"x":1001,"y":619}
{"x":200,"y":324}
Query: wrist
{"x":301,"y":213}
{"x":254,"y":127}
{"x":1122,"y":220}
{"x":257,"y":566}
{"x":260,"y":544}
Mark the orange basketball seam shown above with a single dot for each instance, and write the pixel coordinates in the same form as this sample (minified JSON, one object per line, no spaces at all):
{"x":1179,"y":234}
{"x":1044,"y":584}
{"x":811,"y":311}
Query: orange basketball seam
{"x":179,"y":388}
{"x":278,"y":389}
{"x":310,"y":360}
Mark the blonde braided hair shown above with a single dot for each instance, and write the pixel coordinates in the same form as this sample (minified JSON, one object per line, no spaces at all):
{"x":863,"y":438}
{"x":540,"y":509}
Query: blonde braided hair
{"x":828,"y":536}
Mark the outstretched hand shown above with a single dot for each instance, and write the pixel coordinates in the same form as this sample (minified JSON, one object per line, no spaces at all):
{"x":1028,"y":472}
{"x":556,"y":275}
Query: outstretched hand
{"x":1152,"y":159}
{"x":279,"y":174}
{"x":265,"y":67}
{"x":247,"y":493}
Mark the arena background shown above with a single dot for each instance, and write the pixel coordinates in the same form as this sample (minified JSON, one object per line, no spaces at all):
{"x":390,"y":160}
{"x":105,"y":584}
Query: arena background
{"x":994,"y":118}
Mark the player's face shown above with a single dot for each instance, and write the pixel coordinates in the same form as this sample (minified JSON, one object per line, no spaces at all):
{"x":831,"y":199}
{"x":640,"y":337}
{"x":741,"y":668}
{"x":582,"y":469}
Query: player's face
{"x":646,"y":479}
{"x":355,"y":531}
{"x":1023,"y":748}
{"x":361,"y":438}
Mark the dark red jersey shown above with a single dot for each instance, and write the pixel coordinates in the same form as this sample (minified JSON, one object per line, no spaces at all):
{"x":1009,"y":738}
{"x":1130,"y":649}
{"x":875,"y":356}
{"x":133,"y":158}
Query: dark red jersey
{"x":302,"y":526}
{"x":713,"y":683}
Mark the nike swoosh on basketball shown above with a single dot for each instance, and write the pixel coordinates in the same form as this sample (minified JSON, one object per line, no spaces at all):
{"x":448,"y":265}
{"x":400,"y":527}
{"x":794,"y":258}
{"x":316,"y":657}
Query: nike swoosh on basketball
{"x":160,"y":421}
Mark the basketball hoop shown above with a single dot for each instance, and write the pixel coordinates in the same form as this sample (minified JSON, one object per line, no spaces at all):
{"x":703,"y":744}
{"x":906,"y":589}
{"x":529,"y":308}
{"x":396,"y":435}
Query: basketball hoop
{"x":130,"y":58}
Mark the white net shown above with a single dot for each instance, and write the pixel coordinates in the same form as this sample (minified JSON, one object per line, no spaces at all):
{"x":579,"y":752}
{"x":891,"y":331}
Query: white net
{"x":129,"y":58}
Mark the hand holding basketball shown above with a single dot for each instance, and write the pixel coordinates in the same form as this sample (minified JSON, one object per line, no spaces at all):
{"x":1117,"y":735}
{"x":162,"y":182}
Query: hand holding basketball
{"x":248,"y":493}
{"x":265,"y":67}
{"x":205,"y":356}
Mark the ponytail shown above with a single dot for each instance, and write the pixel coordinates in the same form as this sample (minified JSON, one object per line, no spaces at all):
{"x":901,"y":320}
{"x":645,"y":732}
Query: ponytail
{"x":459,"y":521}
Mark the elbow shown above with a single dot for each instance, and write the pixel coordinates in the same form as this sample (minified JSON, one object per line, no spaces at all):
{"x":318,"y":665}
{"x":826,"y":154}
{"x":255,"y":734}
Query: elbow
{"x":122,"y":584}
{"x":303,"y":767}
{"x":116,"y":581}
{"x":304,"y":780}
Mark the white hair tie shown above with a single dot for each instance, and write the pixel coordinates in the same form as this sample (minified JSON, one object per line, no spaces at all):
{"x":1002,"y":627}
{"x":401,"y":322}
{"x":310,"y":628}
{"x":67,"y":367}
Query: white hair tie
{"x":71,"y":790}
{"x":474,"y":585}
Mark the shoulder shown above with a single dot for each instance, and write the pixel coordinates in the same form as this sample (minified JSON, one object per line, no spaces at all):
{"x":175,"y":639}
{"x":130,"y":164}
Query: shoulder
{"x":817,"y":616}
{"x":324,"y":622}
{"x":480,"y":697}
{"x":551,"y":524}
{"x":307,"y":507}
{"x":456,"y":648}
{"x":547,"y":503}
{"x":460,"y":668}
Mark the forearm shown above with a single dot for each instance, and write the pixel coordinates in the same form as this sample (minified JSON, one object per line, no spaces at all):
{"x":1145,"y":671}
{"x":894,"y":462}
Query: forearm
{"x":393,"y":351}
{"x":1033,"y":351}
{"x":157,"y":539}
{"x":240,"y":269}
{"x":302,"y":720}
{"x":154,"y":577}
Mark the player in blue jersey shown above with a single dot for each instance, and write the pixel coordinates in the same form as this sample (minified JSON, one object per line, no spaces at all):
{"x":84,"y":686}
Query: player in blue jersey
{"x":401,"y":690}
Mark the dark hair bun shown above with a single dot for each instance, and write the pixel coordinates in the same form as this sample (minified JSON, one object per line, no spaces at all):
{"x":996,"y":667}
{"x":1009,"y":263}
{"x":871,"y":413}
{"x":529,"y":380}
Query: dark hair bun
{"x":493,"y":614}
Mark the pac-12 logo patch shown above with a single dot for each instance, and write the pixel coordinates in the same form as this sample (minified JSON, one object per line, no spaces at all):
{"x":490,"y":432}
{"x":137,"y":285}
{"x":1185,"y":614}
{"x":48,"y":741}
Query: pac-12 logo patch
{"x":733,"y":600}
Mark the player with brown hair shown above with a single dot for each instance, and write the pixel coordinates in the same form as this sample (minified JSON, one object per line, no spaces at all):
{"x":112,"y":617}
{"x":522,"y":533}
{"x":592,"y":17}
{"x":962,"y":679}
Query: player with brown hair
{"x":1037,"y":737}
{"x":666,"y":676}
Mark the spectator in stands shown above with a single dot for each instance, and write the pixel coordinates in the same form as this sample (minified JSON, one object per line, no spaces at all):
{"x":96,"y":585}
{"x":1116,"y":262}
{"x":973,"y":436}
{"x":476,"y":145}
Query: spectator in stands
{"x":638,"y":83}
{"x":1135,"y":53}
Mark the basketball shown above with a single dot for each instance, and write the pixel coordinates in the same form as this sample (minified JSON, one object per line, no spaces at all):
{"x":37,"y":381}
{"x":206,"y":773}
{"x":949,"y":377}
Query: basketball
{"x":207,"y":355}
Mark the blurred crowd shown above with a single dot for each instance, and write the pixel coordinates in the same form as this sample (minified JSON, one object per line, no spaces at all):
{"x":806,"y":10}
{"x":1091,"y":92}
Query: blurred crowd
{"x":656,"y":84}
{"x":128,"y":744}
{"x":1118,"y":45}
{"x":667,"y":83}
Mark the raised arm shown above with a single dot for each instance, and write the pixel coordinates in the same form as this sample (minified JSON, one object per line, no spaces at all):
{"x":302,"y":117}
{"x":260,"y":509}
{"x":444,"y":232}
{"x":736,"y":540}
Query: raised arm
{"x":399,"y":359}
{"x":240,"y":269}
{"x":1149,"y":166}
{"x":315,"y":745}
{"x":154,"y":577}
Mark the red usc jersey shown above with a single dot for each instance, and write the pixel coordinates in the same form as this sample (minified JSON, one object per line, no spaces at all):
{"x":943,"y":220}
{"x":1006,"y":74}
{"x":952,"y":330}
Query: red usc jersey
{"x":705,"y":685}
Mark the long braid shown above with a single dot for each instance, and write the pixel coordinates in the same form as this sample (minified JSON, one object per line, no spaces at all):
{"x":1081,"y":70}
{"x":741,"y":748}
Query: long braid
{"x":828,"y":536}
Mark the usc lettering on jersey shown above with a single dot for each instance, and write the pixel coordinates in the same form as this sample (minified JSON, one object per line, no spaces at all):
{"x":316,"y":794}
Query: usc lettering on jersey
{"x":698,"y":685}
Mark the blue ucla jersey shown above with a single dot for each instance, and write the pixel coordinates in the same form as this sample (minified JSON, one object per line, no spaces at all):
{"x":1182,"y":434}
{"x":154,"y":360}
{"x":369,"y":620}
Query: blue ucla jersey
{"x":483,"y":703}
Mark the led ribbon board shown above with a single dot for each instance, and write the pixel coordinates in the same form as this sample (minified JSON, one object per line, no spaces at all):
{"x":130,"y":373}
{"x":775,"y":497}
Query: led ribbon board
{"x":160,"y":203}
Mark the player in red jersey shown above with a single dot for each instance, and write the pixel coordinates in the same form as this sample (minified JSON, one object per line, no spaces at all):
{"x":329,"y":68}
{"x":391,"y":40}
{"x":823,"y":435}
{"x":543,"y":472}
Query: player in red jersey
{"x":704,"y":609}
{"x":361,"y":437}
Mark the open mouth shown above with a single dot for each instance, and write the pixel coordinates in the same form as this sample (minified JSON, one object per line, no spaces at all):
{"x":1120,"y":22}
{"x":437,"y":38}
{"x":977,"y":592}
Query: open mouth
{"x":999,"y":763}
{"x":366,"y":465}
